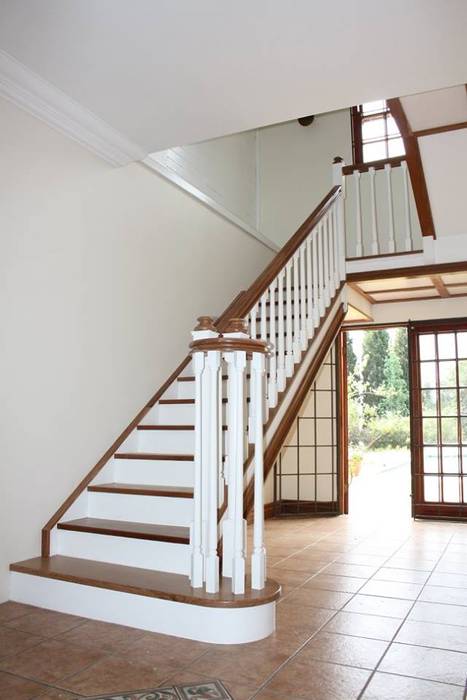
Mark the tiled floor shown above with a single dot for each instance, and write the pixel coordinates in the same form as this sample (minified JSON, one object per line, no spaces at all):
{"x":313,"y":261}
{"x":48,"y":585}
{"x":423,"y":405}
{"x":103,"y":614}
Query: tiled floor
{"x":373,"y":608}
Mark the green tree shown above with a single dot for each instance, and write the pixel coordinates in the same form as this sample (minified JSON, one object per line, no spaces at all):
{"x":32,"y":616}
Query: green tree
{"x":396,"y":393}
{"x":351,"y":356}
{"x":375,"y":353}
{"x":401,"y":350}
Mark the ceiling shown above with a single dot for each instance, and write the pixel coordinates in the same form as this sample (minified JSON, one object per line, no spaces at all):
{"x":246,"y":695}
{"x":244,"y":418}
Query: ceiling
{"x":413,"y":288}
{"x":170,"y":72}
{"x":428,"y":110}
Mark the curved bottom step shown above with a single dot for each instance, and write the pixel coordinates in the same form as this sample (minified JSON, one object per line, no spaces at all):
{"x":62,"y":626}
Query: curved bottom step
{"x":150,"y":600}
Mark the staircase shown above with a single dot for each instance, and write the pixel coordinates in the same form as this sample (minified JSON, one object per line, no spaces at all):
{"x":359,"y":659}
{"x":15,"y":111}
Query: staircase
{"x":155,"y":535}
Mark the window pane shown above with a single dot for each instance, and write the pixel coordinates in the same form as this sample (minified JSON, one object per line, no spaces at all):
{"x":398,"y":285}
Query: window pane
{"x":465,"y":489}
{"x":451,"y":461}
{"x":464,"y":430}
{"x":429,"y":402}
{"x":396,"y":148}
{"x":430,"y":460}
{"x":374,"y":151}
{"x":448,"y":401}
{"x":464,"y":459}
{"x":430,"y":431}
{"x":462,"y":344}
{"x":373,"y":129}
{"x":428,"y":374}
{"x":462,"y":372}
{"x":446,"y":346}
{"x":463,"y":401}
{"x":427,"y":347}
{"x":449,"y":431}
{"x":430,"y":486}
{"x":451,"y":489}
{"x":375,"y":106}
{"x":447,"y":373}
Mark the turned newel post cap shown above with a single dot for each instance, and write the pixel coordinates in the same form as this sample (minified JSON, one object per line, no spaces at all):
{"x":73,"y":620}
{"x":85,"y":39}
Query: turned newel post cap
{"x":236,"y":325}
{"x":338,"y":159}
{"x":205,"y":323}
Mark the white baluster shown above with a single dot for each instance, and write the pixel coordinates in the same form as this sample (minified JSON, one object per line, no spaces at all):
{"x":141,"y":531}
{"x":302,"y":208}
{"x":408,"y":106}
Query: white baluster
{"x":309,"y":287}
{"x":253,"y":333}
{"x":319,"y":233}
{"x":335,"y":213}
{"x":315,"y":253}
{"x":358,"y":215}
{"x":264,"y":331}
{"x":296,"y":310}
{"x":203,"y":414}
{"x":258,"y":559}
{"x":289,"y":359}
{"x":210,"y":448}
{"x":303,"y":291}
{"x":332,"y":267}
{"x":391,"y":241}
{"x":272,"y":384}
{"x":408,"y":223}
{"x":281,"y":332}
{"x":327,"y":297}
{"x":374,"y":220}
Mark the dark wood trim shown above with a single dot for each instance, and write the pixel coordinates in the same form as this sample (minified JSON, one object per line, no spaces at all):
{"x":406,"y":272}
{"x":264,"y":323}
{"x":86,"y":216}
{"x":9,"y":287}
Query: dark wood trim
{"x":272,"y":450}
{"x":300,"y":507}
{"x":376,"y":164}
{"x":154,"y":456}
{"x":439,"y":129}
{"x":223,"y":344}
{"x":123,"y":528}
{"x":415,"y":166}
{"x":342,"y":425}
{"x":439,"y":286}
{"x":143,"y":490}
{"x":145,"y":582}
{"x":374,"y":326}
{"x":417,"y":271}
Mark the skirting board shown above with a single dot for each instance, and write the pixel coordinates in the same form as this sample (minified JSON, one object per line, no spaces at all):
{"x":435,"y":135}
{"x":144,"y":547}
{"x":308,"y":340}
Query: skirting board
{"x":204,"y":624}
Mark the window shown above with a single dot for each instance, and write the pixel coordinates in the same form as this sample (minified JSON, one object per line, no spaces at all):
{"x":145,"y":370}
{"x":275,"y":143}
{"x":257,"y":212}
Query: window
{"x":375,"y":133}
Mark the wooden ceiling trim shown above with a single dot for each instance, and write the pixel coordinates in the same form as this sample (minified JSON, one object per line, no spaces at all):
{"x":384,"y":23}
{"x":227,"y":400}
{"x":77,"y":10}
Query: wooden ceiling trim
{"x":361,"y":291}
{"x":418,"y":271}
{"x":439,"y":129}
{"x":415,"y":166}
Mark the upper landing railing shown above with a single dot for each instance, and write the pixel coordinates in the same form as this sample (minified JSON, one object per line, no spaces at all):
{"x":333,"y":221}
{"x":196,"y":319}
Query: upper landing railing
{"x":380,"y":213}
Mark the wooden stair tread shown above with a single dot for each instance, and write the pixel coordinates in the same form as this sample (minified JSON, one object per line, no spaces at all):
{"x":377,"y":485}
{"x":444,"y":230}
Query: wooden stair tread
{"x":148,"y":426}
{"x":143,"y":490}
{"x":153,"y":584}
{"x":154,"y":456}
{"x":124,"y":528}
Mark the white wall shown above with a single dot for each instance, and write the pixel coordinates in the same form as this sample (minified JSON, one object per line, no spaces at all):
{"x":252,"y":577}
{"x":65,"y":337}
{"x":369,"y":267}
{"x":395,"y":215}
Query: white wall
{"x":102,"y":274}
{"x":443,"y":157}
{"x":224,"y":170}
{"x":424,"y":310}
{"x":296,"y":169}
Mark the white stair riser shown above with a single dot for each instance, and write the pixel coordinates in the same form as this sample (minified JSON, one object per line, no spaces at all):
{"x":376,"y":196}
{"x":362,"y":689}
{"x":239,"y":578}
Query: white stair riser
{"x":171,"y":414}
{"x":141,"y":509}
{"x":166,"y":441}
{"x":155,"y":472}
{"x":202,"y":623}
{"x":129,"y":551}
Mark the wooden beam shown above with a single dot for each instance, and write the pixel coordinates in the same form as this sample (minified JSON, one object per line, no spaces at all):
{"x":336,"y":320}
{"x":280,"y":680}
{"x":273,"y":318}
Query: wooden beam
{"x":415,"y":166}
{"x":440,"y":129}
{"x":440,"y":286}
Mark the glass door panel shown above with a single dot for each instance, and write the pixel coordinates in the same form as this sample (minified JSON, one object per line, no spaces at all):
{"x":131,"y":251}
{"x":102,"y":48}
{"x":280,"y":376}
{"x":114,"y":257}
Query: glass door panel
{"x":438,"y":373}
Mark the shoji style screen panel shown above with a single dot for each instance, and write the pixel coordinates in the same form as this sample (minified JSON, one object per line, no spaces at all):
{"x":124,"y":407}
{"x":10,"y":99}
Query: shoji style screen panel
{"x":306,"y":473}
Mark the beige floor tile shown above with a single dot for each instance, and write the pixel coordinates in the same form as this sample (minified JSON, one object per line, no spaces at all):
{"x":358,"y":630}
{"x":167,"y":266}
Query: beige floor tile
{"x":400,"y":575}
{"x":436,"y":612}
{"x":431,"y":634}
{"x":316,"y":680}
{"x":392,"y":589}
{"x":354,"y":570}
{"x":442,"y":594}
{"x":327,"y":582}
{"x":430,"y":664}
{"x":360,"y":625}
{"x":315,"y":597}
{"x":46,"y":623}
{"x":14,"y":641}
{"x":11,"y":610}
{"x":384,"y":686}
{"x":343,"y":649}
{"x":107,"y":637}
{"x":449,"y":580}
{"x":376,"y":605}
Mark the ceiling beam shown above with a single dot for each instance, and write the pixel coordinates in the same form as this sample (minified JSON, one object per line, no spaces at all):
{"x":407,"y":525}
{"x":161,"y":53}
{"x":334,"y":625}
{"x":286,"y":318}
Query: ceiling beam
{"x":440,"y":286}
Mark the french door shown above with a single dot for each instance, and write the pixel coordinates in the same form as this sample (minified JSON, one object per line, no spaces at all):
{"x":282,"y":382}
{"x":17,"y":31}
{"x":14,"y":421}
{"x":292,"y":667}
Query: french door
{"x":438,"y":373}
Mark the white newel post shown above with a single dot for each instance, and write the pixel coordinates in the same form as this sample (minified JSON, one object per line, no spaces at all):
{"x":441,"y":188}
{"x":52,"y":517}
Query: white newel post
{"x":339,"y":180}
{"x":358,"y":215}
{"x":258,"y":558}
{"x":391,"y":240}
{"x":205,"y":496}
{"x":408,"y":225}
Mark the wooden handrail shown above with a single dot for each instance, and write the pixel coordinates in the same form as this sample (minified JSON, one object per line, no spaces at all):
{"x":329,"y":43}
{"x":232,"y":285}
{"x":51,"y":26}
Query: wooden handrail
{"x":238,"y":308}
{"x":261,"y":284}
{"x":376,"y":164}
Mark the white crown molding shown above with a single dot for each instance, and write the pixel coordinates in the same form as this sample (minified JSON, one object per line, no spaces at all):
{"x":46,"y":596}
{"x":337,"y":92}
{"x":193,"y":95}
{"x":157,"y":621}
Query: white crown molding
{"x":152,"y":163}
{"x":46,"y":102}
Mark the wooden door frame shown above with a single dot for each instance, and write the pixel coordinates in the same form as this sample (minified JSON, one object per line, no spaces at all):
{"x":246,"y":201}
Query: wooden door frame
{"x":342,"y":425}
